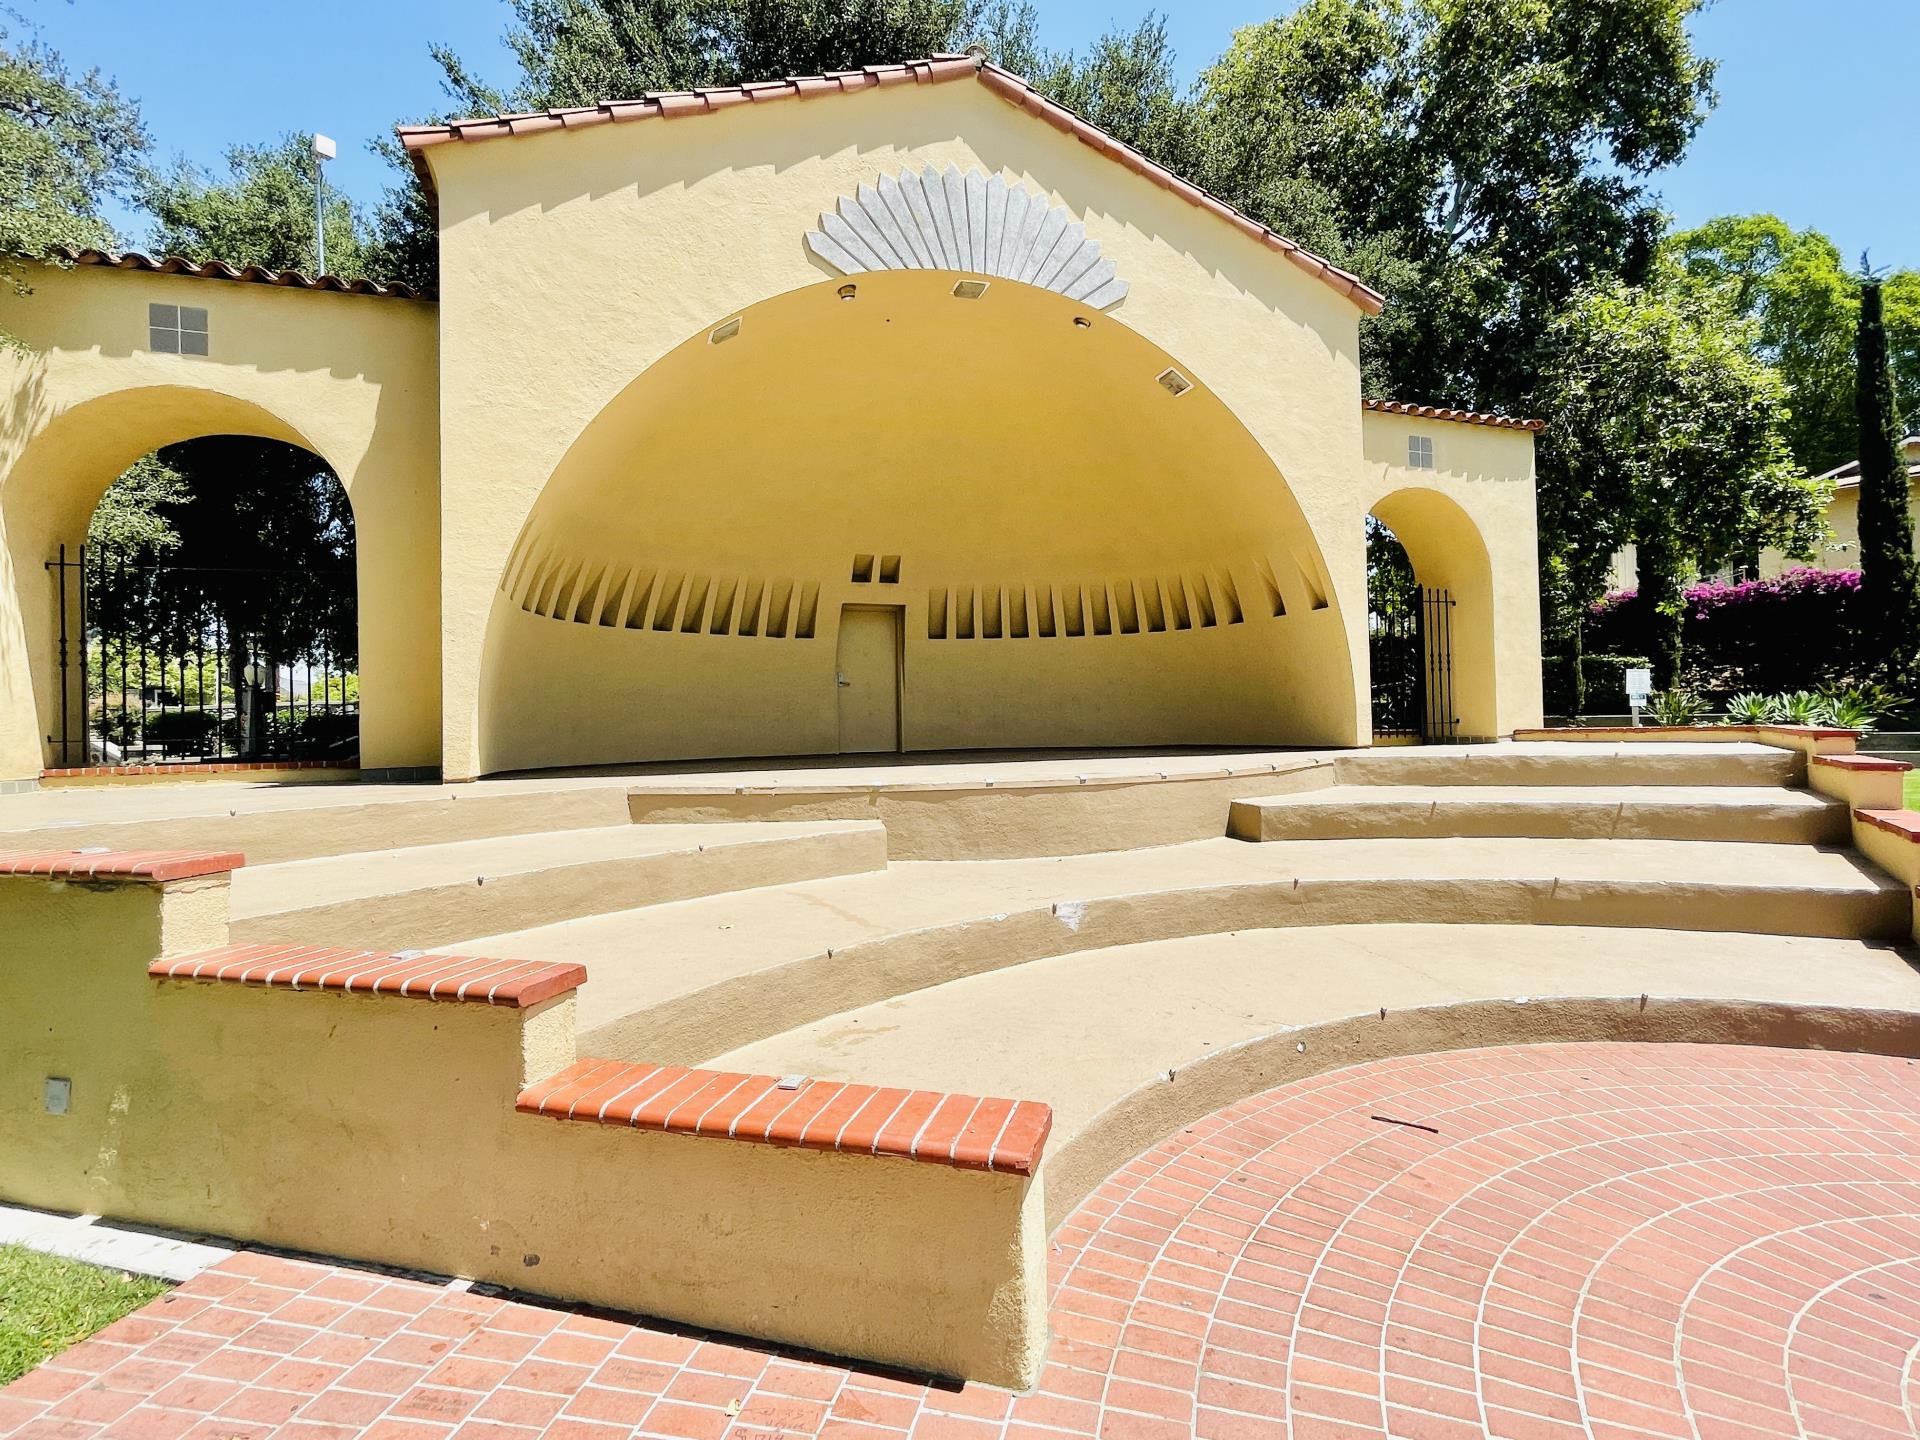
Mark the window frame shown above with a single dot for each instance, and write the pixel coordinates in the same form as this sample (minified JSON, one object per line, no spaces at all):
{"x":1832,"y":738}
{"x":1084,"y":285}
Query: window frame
{"x":178,"y":329}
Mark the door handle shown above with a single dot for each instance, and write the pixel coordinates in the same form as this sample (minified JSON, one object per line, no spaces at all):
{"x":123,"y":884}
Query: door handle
{"x":842,"y":681}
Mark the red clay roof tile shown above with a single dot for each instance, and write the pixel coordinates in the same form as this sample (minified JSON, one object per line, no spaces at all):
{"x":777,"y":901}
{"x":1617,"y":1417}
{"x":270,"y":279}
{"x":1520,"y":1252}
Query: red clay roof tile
{"x":1460,"y":417}
{"x":222,"y":270}
{"x":938,"y":68}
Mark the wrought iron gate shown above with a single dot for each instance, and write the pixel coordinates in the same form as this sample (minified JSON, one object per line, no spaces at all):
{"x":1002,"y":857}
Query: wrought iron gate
{"x":1410,"y":651}
{"x":151,"y":668}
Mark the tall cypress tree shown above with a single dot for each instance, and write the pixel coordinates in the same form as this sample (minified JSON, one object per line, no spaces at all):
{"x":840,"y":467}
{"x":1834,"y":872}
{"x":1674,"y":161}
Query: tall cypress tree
{"x":1889,"y":578}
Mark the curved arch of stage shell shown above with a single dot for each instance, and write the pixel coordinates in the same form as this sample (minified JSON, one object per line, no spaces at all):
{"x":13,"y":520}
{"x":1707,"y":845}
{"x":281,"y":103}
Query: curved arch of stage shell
{"x":1066,"y":540}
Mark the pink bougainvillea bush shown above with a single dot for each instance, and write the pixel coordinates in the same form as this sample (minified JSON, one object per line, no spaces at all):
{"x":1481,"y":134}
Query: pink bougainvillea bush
{"x":1804,"y":630}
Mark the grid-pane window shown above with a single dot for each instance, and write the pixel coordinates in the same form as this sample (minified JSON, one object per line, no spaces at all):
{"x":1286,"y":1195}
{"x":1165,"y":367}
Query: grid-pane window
{"x":1420,"y":452}
{"x":177,"y":329}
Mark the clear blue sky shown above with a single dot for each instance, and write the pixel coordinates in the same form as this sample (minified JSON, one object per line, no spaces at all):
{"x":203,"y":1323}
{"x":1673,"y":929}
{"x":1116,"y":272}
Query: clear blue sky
{"x":1817,"y":121}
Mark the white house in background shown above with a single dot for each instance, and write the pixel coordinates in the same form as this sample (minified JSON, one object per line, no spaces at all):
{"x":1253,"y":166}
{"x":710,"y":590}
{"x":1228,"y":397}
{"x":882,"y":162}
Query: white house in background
{"x":1841,"y":550}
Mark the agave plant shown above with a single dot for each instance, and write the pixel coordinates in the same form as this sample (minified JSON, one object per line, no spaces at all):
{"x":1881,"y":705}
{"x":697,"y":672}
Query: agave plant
{"x":1857,"y":708}
{"x":1675,"y":707}
{"x":1802,"y":707}
{"x":1750,"y":708}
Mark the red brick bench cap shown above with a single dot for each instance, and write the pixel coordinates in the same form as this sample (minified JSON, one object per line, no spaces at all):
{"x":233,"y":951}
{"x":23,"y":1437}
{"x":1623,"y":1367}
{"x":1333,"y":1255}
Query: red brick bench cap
{"x":409,"y":975}
{"x":100,"y":863}
{"x":969,"y":1132}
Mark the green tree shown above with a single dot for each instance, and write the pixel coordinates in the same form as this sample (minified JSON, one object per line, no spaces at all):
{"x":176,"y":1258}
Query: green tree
{"x":1493,"y":153}
{"x":1806,"y":313}
{"x":1663,"y":431}
{"x":579,"y":52}
{"x":1125,"y":84}
{"x":68,"y":143}
{"x":261,"y":213}
{"x":259,"y":547}
{"x":1888,"y":577}
{"x":133,"y":513}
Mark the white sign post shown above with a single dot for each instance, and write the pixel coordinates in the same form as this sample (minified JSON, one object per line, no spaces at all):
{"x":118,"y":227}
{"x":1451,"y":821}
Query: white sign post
{"x":1639,"y":688}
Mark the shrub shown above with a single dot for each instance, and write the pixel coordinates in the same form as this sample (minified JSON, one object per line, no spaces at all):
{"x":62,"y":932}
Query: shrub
{"x":1804,"y":630}
{"x":1803,"y":707}
{"x":1606,"y":677}
{"x":1751,"y":709}
{"x":1675,"y":707}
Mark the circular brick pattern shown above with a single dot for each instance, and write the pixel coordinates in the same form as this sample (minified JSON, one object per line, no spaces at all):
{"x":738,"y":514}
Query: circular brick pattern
{"x":1545,"y":1241}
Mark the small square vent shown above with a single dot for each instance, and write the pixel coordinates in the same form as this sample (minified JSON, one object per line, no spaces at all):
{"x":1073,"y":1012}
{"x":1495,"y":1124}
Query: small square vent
{"x":177,"y":329}
{"x":1173,"y":382}
{"x":970,"y":289}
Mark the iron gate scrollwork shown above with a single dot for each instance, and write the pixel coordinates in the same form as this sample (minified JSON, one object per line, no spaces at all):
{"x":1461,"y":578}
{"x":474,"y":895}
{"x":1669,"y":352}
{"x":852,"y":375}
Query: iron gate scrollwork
{"x":1410,"y":652}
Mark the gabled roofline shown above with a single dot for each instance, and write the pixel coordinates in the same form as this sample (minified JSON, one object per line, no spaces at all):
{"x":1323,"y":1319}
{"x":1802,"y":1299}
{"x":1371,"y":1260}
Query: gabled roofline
{"x":1850,"y":469}
{"x":934,"y":70}
{"x":1458,"y":417}
{"x":222,"y":270}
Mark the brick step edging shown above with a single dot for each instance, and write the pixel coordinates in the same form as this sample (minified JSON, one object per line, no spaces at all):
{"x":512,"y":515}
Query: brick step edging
{"x":409,"y":975}
{"x":968,"y":1132}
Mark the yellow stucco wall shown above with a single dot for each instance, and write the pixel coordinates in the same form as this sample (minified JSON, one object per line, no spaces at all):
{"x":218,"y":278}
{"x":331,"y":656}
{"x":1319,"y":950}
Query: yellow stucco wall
{"x":1080,"y":557}
{"x":562,"y":408}
{"x":573,"y":262}
{"x":1840,"y":550}
{"x":1470,"y":526}
{"x":352,"y":378}
{"x":383,"y":1129}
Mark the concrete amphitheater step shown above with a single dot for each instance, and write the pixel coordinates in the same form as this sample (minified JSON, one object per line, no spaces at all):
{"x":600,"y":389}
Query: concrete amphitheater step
{"x":1644,"y":812}
{"x":1129,"y":1043}
{"x":425,"y":895}
{"x":1549,"y":762}
{"x":1021,"y":807}
{"x":683,"y":982}
{"x":271,"y":824}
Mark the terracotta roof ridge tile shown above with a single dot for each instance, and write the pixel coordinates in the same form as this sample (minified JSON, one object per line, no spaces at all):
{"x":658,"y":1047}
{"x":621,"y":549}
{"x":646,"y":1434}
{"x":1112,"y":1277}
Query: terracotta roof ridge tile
{"x":933,"y":69}
{"x":1459,"y":417}
{"x":227,"y":270}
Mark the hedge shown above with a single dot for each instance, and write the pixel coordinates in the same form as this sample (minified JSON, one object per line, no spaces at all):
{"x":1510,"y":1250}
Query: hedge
{"x":1606,"y":683}
{"x":1804,"y":630}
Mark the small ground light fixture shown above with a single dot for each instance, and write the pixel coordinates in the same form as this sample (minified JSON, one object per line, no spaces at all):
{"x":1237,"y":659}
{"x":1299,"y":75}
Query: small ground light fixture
{"x":323,"y":150}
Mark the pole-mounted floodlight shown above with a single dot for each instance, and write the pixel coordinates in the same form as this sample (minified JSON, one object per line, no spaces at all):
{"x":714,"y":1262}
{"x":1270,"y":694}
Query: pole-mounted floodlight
{"x":323,"y":150}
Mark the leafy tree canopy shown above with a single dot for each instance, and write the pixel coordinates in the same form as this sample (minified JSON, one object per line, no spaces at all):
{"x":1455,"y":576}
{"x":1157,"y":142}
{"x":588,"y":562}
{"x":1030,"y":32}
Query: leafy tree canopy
{"x":133,"y":514}
{"x":257,"y":539}
{"x":1805,"y":308}
{"x":578,"y":52}
{"x":68,"y":143}
{"x":1663,"y":431}
{"x":1493,"y":153}
{"x":261,"y":213}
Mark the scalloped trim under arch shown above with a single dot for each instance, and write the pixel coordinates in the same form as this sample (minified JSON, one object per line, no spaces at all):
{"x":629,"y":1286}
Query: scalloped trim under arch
{"x":976,"y":223}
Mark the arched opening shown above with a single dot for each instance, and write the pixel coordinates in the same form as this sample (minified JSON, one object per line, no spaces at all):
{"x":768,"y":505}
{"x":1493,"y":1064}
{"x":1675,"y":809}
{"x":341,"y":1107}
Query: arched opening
{"x":906,"y":513}
{"x":216,"y":612}
{"x":48,"y":504}
{"x":1429,"y":621}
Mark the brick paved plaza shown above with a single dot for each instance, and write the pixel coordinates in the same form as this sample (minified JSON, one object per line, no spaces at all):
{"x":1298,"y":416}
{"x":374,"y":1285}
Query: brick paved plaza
{"x":1621,"y":1240}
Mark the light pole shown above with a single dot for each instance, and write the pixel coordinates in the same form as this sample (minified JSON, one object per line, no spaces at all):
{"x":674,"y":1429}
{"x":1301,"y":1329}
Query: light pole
{"x":323,"y":150}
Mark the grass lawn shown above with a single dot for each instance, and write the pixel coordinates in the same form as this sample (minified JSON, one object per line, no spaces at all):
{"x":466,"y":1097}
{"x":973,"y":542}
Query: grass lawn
{"x":1913,"y":789}
{"x":48,"y":1304}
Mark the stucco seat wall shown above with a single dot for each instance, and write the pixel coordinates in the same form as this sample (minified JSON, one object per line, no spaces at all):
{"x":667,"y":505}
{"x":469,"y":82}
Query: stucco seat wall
{"x":382,"y":1127}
